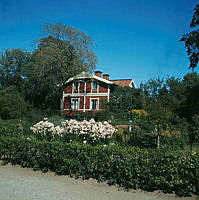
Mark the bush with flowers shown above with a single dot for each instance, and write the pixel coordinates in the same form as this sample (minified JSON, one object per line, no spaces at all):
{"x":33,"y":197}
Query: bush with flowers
{"x":84,"y":131}
{"x":46,"y":129}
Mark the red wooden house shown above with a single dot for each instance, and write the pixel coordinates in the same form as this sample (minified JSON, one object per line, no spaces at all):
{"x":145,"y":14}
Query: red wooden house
{"x":85,"y":92}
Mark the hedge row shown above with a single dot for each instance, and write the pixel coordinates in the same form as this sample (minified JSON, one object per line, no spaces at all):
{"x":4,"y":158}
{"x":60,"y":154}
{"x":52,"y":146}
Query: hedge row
{"x":127,"y":167}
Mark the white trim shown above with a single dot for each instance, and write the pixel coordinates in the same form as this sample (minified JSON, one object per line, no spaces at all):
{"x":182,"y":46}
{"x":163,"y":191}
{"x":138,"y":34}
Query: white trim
{"x":73,"y":87}
{"x":87,"y":94}
{"x":102,"y":79}
{"x":85,"y":75}
{"x":84,"y":106}
{"x":78,"y":99}
{"x":80,"y":109}
{"x":91,"y":103}
{"x":108,"y":97}
{"x":132,"y":84}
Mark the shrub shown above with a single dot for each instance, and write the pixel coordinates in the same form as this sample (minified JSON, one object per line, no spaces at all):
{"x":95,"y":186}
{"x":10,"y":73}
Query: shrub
{"x":127,"y":167}
{"x":86,"y":131}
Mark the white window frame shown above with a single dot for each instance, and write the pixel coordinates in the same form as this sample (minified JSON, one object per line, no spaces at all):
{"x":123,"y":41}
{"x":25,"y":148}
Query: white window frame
{"x":78,"y":85}
{"x":91,"y":105}
{"x":97,"y":83}
{"x":78,"y":101}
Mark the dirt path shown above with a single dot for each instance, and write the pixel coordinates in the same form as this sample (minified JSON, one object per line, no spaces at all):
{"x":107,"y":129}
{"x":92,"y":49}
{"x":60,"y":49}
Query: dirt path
{"x":25,"y":184}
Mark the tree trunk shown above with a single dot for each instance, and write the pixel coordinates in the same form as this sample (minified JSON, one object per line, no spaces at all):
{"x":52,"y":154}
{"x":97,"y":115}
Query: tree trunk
{"x":158,"y":138}
{"x":158,"y":141}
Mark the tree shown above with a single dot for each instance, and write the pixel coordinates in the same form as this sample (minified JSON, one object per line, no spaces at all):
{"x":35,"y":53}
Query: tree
{"x":13,"y":64}
{"x":191,"y":103}
{"x":171,"y":92}
{"x":64,"y":53}
{"x":161,"y":116}
{"x":123,"y":100}
{"x":40,"y":76}
{"x":51,"y":65}
{"x":12,"y":104}
{"x":191,"y":40}
{"x":81,"y":43}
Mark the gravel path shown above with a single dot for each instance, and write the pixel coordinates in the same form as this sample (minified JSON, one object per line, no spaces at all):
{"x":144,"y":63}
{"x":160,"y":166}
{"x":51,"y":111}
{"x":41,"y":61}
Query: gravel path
{"x":18,"y":183}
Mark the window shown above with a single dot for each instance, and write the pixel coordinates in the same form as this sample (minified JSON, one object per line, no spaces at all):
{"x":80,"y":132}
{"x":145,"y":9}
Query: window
{"x":94,"y":85}
{"x":74,"y":104}
{"x":94,"y":104}
{"x":75,"y":86}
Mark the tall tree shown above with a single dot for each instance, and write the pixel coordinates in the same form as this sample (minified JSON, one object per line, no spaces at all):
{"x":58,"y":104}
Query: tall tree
{"x":191,"y":104}
{"x":64,"y":53}
{"x":191,"y":40}
{"x":13,"y":65}
{"x":82,"y":43}
{"x":51,"y":65}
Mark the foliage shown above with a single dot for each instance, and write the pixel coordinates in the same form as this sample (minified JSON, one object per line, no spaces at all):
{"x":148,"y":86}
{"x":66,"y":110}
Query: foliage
{"x":194,"y":131}
{"x":122,"y":100}
{"x":40,"y":76}
{"x":12,"y":104}
{"x":191,"y":40}
{"x":127,"y":167}
{"x":14,"y":127}
{"x":51,"y":65}
{"x":190,"y":106}
{"x":82,"y":43}
{"x":13,"y":65}
{"x":171,"y":100}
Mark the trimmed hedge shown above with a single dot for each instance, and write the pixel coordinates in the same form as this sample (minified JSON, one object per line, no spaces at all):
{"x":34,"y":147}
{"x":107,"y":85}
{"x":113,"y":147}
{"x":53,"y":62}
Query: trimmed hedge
{"x":128,"y":167}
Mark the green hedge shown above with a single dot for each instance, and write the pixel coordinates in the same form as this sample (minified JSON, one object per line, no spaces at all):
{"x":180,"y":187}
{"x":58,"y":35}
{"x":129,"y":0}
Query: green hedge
{"x":127,"y":167}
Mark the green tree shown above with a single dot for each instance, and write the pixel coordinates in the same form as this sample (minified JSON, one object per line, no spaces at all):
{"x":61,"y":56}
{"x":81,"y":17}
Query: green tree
{"x":64,"y":53}
{"x":51,"y":65}
{"x":12,"y":104}
{"x":82,"y":43}
{"x":13,"y":65}
{"x":191,"y":104}
{"x":123,"y":100}
{"x":191,"y":40}
{"x":171,"y":92}
{"x":194,"y":131}
{"x":161,"y":117}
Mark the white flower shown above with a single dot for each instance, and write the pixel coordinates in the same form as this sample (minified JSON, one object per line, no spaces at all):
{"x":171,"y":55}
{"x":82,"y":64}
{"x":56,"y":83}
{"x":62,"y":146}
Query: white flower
{"x":95,"y":130}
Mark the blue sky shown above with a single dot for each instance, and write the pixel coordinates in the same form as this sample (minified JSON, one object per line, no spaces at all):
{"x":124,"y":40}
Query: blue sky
{"x":136,"y":39}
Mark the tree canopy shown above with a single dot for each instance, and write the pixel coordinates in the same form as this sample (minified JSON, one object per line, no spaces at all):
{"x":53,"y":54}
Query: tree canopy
{"x":40,"y":75}
{"x":82,"y":43}
{"x":191,"y":40}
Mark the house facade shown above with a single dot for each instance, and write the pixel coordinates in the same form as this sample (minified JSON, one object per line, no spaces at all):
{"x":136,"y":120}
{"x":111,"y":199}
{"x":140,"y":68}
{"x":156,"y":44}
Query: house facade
{"x":86,"y":92}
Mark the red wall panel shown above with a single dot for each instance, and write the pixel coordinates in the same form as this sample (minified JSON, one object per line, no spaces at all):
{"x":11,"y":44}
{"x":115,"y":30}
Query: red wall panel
{"x":68,"y":89}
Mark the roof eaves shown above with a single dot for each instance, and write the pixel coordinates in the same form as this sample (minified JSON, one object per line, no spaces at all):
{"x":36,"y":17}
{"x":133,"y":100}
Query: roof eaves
{"x":102,"y":79}
{"x":91,"y":76}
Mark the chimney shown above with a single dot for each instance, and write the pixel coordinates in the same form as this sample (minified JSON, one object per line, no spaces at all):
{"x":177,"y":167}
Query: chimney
{"x":98,"y":73}
{"x":106,"y":76}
